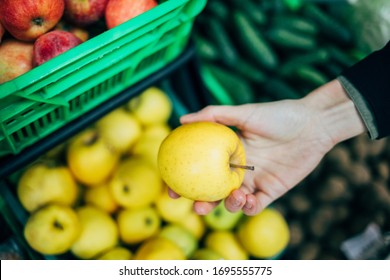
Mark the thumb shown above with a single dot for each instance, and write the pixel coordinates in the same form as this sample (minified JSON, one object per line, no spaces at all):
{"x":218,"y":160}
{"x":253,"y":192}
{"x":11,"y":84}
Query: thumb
{"x":223,"y":114}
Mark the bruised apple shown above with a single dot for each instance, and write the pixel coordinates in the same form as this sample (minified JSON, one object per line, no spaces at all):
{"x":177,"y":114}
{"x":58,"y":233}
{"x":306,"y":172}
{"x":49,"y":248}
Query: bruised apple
{"x":26,"y":20}
{"x":119,"y":11}
{"x":85,"y":12}
{"x":52,"y":44}
{"x":15,"y":59}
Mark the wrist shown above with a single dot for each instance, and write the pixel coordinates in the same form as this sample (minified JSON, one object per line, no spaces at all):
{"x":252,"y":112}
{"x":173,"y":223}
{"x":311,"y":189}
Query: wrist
{"x":335,"y":112}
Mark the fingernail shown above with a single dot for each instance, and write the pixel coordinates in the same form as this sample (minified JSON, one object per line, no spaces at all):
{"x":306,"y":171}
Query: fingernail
{"x":235,"y":203}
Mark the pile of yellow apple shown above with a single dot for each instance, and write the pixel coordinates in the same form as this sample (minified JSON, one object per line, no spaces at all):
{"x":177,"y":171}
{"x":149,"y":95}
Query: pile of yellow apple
{"x":104,"y":198}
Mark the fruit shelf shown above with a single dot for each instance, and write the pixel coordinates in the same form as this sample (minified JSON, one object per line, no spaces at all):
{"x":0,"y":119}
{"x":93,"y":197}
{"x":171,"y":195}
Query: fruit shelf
{"x":180,"y":79}
{"x":187,"y":81}
{"x":51,"y":95}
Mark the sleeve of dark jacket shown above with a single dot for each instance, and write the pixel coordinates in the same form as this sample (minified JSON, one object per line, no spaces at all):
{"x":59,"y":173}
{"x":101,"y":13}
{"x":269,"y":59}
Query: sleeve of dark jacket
{"x":368,"y":84}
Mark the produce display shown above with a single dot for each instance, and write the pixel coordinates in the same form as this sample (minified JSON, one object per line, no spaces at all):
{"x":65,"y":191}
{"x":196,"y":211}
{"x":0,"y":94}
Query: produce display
{"x":265,"y":50}
{"x":52,"y":27}
{"x":100,"y":195}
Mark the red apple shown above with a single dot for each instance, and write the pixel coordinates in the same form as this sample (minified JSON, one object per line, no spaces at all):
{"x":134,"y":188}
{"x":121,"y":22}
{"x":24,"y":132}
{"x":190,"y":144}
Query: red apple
{"x":119,"y":11}
{"x":28,"y":19}
{"x":15,"y":59}
{"x":81,"y":32}
{"x":53,"y":43}
{"x":84,"y":12}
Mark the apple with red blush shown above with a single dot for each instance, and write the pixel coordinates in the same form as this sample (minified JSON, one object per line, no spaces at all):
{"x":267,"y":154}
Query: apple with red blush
{"x":15,"y":59}
{"x":119,"y":11}
{"x":52,"y":44}
{"x":85,"y":12}
{"x":26,"y":20}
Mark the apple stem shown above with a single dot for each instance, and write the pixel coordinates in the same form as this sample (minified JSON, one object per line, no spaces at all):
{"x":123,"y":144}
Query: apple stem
{"x":38,"y":21}
{"x":247,"y":167}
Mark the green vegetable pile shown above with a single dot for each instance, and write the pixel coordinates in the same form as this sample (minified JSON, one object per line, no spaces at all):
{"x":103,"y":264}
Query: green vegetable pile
{"x":263,"y":50}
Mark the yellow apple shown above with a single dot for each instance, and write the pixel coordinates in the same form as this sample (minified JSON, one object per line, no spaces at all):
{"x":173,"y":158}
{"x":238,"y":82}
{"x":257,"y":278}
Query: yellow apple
{"x":120,"y":129}
{"x":173,"y":210}
{"x":156,"y":131}
{"x":52,"y":230}
{"x":147,"y":148}
{"x":264,"y":235}
{"x":181,"y":237}
{"x":159,"y":248}
{"x":99,"y":232}
{"x":151,"y":106}
{"x":101,"y":197}
{"x":194,"y":224}
{"x":137,"y":225}
{"x":135,"y":183}
{"x":41,"y":184}
{"x":149,"y":142}
{"x":226,"y":244}
{"x":206,"y":254}
{"x":222,"y":219}
{"x":202,"y":161}
{"x":90,"y":159}
{"x":116,"y":253}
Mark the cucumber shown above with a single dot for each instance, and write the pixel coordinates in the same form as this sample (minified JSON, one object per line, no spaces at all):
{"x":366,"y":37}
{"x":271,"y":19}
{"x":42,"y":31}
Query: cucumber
{"x":239,"y":89}
{"x":253,"y":42}
{"x":217,"y":9}
{"x":295,"y":23}
{"x":218,"y":34}
{"x":315,"y":57}
{"x":279,"y":89}
{"x":285,"y":38}
{"x":311,"y":75}
{"x":206,"y":49}
{"x":248,"y":71}
{"x":328,"y":25}
{"x":252,"y":10}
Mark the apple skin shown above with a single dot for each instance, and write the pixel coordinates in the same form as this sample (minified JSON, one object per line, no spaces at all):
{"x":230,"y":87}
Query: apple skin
{"x":15,"y":59}
{"x":52,"y":229}
{"x":41,"y":184}
{"x":119,"y":11}
{"x":135,"y":183}
{"x":85,"y":12}
{"x":98,"y":233}
{"x":138,"y":225}
{"x":120,"y":129}
{"x":226,"y":244}
{"x":181,"y":237}
{"x":52,"y":44}
{"x":194,"y":161}
{"x":34,"y":19}
{"x":221,"y":219}
{"x":151,"y":107}
{"x":89,"y":158}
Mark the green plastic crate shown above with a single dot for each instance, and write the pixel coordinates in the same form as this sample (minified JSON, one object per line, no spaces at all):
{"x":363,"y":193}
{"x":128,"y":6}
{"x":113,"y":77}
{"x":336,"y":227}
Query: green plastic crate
{"x":47,"y":97}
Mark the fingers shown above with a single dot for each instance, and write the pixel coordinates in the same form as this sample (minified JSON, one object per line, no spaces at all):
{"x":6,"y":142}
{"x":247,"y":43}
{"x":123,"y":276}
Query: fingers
{"x":172,"y":194}
{"x":250,"y":204}
{"x":235,"y":201}
{"x":203,"y":208}
{"x":227,"y":115}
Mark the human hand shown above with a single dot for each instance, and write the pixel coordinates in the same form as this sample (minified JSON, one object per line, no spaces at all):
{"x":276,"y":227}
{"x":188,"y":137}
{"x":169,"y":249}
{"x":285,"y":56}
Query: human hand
{"x":284,"y":140}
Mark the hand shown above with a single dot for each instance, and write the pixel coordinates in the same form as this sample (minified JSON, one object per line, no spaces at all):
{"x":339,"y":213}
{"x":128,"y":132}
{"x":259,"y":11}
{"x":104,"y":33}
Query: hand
{"x":284,"y":140}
